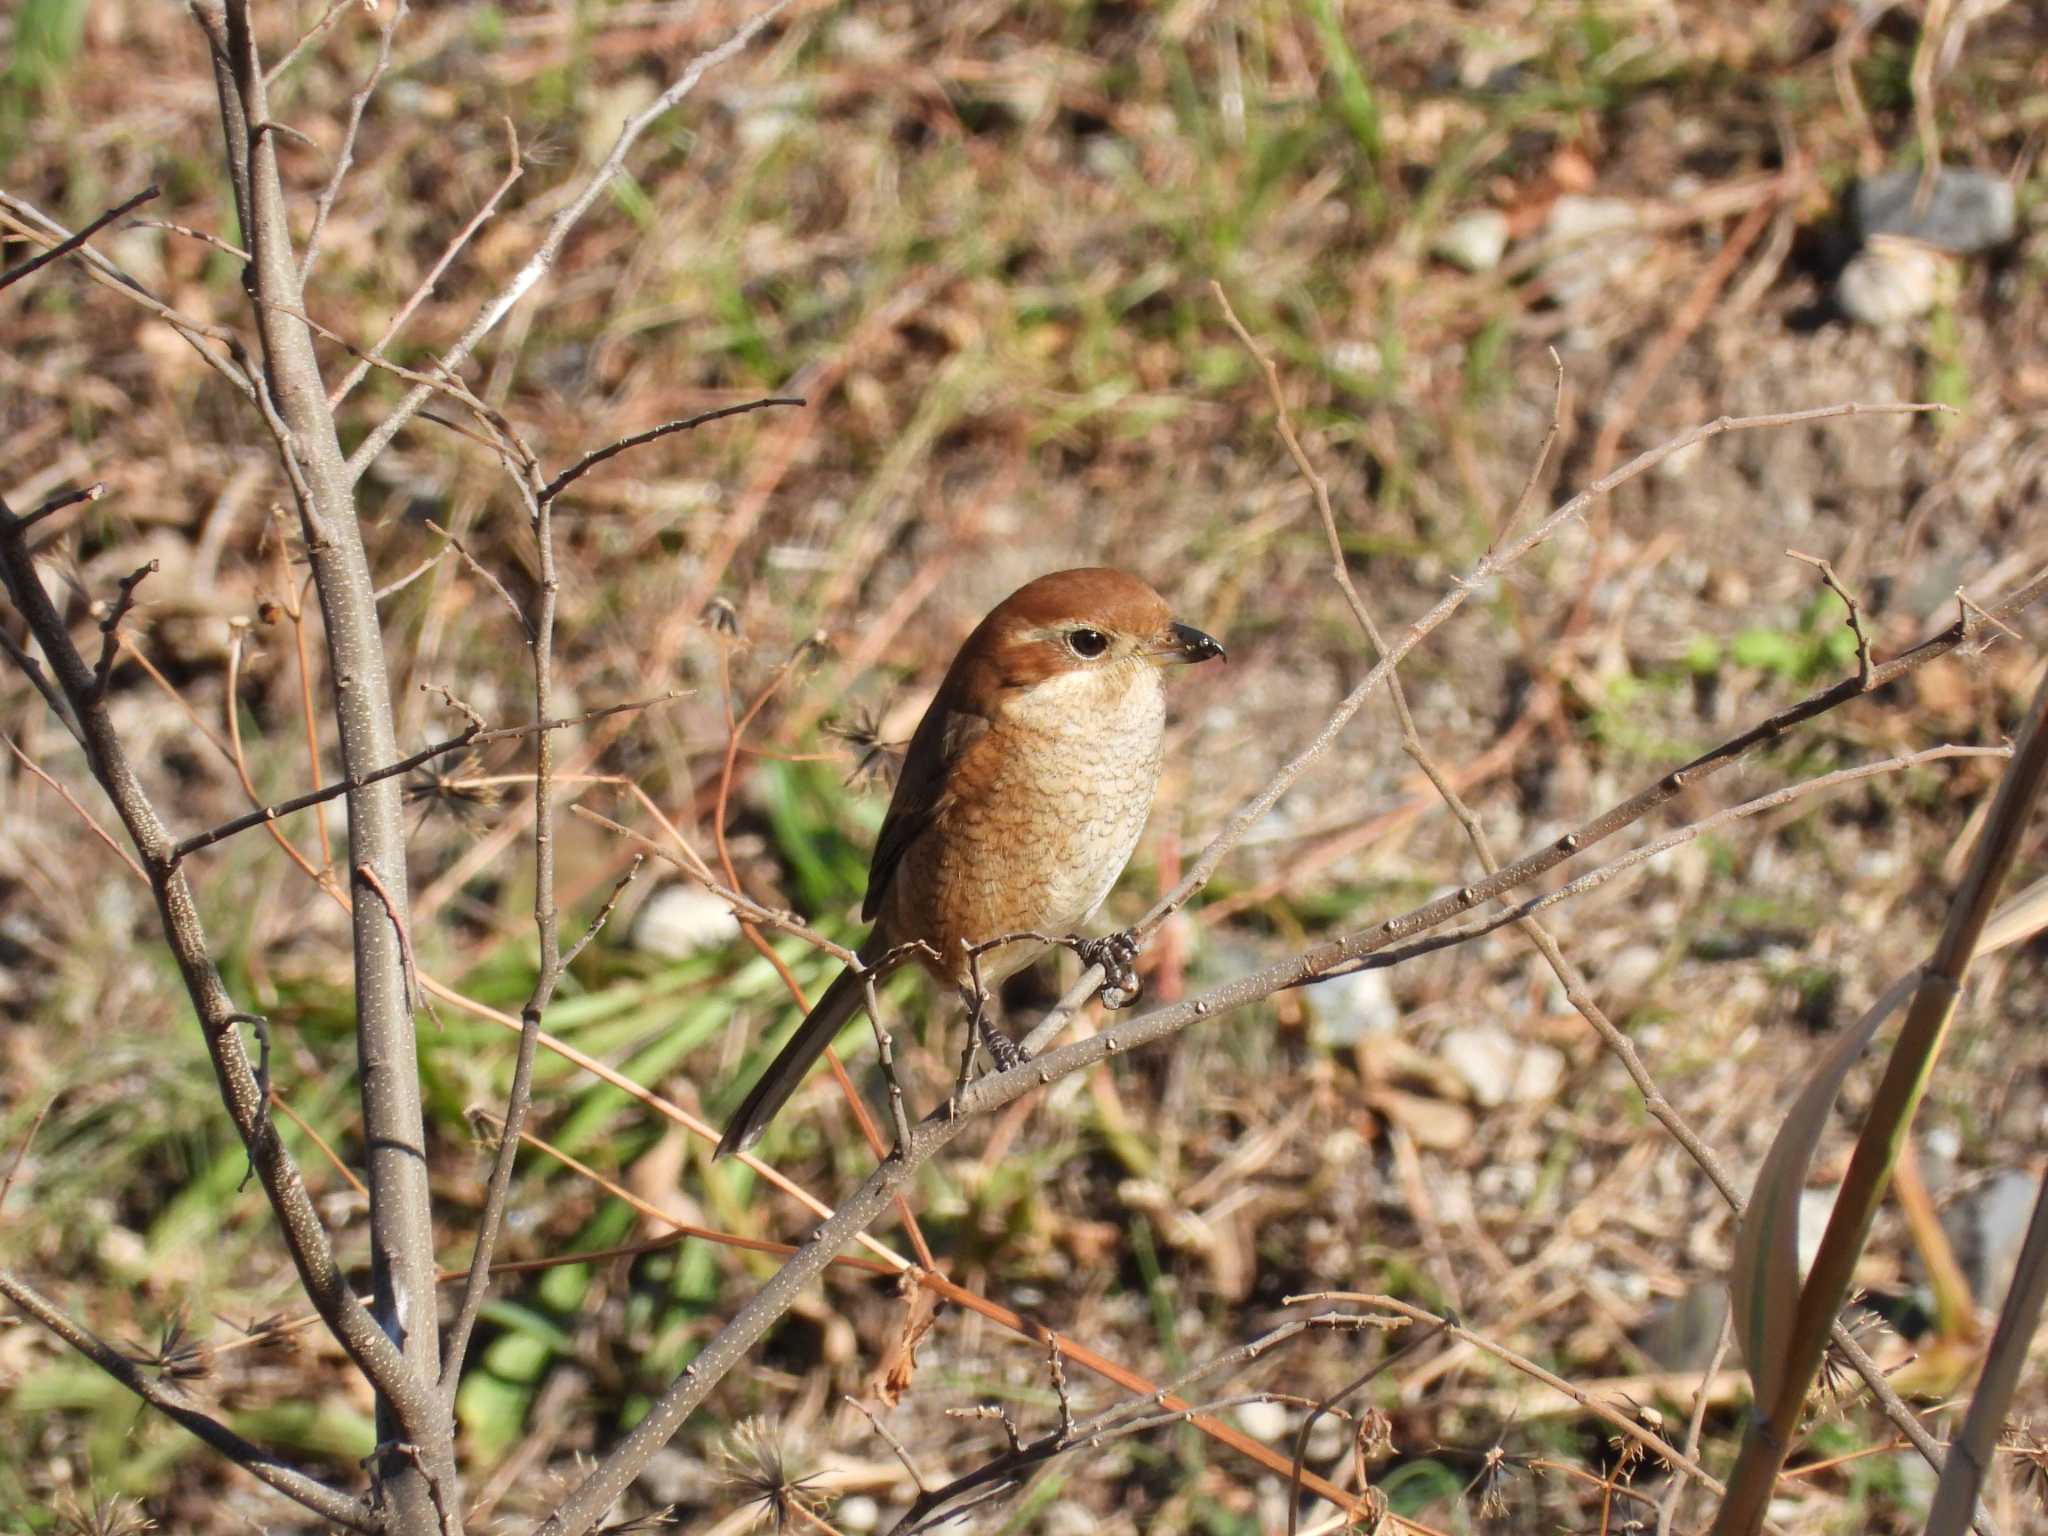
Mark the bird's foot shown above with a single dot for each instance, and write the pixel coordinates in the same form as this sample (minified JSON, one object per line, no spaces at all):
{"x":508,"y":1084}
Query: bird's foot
{"x":1117,"y":955}
{"x":1005,"y":1052}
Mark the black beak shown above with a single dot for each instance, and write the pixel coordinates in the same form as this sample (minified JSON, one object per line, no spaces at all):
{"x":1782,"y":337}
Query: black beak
{"x":1189,"y":644}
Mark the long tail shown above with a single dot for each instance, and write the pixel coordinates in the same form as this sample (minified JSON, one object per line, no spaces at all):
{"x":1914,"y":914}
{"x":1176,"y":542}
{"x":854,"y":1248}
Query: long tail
{"x":842,"y":1000}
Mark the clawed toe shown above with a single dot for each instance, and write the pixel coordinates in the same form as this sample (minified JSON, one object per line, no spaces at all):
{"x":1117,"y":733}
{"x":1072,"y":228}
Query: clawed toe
{"x":1005,"y":1052}
{"x":1117,"y":955}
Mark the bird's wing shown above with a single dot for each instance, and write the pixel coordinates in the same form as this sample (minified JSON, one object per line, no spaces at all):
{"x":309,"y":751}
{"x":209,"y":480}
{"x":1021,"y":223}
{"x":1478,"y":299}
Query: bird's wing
{"x":923,"y":788}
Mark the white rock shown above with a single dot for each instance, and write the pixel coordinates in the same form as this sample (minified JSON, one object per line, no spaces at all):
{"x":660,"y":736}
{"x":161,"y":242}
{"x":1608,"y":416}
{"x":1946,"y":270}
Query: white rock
{"x":1890,"y":282}
{"x":1499,"y":1068}
{"x":1631,"y":970}
{"x":1595,"y":240}
{"x":858,"y":1514}
{"x":680,"y":920}
{"x":1351,"y":1007}
{"x":1263,"y":1421}
{"x":1475,"y":242}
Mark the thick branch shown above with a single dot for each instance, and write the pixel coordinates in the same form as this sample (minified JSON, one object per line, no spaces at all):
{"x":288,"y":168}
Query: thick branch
{"x":325,"y":1285}
{"x":417,"y":1468}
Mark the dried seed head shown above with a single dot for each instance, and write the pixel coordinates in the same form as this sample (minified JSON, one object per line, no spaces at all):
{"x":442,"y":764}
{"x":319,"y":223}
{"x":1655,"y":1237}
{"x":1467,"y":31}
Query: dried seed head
{"x":756,"y":1468}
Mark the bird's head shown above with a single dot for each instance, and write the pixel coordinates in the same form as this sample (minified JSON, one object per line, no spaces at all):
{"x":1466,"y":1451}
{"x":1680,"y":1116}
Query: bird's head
{"x":1091,"y":620}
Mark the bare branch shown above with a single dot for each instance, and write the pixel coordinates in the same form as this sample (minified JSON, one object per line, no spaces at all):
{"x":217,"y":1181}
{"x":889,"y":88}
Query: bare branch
{"x":236,"y":366}
{"x":83,"y":814}
{"x":542,"y":261}
{"x":474,"y":736}
{"x":200,"y":235}
{"x":307,"y":39}
{"x":306,"y":1239}
{"x":59,"y":502}
{"x":33,"y":670}
{"x":1827,"y":576}
{"x":110,"y":626}
{"x":358,"y":104}
{"x":515,"y":167}
{"x":590,"y":461}
{"x":28,"y":1138}
{"x":65,"y":247}
{"x":328,"y":1503}
{"x":486,"y":575}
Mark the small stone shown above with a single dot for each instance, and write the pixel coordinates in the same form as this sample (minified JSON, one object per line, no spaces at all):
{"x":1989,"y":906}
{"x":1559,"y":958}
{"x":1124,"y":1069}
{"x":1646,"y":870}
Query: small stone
{"x":1631,"y":970}
{"x":1890,"y":282}
{"x":1352,"y":1007}
{"x":1475,"y":242}
{"x":681,"y":920}
{"x":1263,"y":1421}
{"x":1436,"y":1126}
{"x":1963,"y":210}
{"x":1595,"y":239}
{"x":1328,"y":1438}
{"x":1498,"y":1068}
{"x":858,"y":1514}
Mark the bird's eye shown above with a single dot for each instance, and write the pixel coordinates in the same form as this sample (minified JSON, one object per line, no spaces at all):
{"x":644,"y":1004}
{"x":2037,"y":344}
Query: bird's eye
{"x":1087,"y":643}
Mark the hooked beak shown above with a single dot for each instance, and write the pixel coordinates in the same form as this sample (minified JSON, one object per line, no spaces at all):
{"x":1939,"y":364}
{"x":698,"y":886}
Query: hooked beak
{"x":1183,"y":642}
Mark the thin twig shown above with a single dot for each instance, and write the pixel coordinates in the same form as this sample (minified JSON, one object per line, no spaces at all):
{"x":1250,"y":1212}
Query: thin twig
{"x":110,"y":643}
{"x":369,"y":876}
{"x":195,"y":234}
{"x":1668,"y":1508}
{"x":306,"y":39}
{"x":65,"y":247}
{"x":28,"y":1138}
{"x":590,"y":461}
{"x":469,"y":738}
{"x":889,"y":1436}
{"x":1827,"y":576}
{"x":515,"y":167}
{"x":399,"y":584}
{"x":488,"y":577}
{"x":59,"y":502}
{"x":542,"y":261}
{"x":82,"y":813}
{"x":328,"y":1503}
{"x":604,"y":913}
{"x":357,"y":105}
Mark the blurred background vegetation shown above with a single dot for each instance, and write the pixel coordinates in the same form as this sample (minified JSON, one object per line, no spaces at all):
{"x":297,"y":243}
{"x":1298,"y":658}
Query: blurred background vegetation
{"x":978,"y":238}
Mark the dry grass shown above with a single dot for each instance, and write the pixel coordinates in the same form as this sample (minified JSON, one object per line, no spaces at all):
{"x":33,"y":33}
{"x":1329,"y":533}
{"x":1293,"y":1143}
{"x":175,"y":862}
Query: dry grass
{"x":978,"y":239}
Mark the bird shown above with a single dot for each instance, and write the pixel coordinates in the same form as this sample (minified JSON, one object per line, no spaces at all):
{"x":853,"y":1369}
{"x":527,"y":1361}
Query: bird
{"x":1021,"y":797}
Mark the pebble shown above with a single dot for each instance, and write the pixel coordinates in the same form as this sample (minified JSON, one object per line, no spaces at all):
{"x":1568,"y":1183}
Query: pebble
{"x":1890,"y":282}
{"x":1596,"y":239}
{"x":680,"y":920}
{"x":1964,"y":210}
{"x":1263,"y":1421}
{"x":1349,"y":1008}
{"x":1499,"y":1068}
{"x":858,"y":1514}
{"x":1475,"y":242}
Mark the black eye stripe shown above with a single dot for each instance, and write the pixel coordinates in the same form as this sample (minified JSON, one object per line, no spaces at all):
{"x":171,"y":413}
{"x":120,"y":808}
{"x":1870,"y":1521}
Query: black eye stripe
{"x":1088,"y":643}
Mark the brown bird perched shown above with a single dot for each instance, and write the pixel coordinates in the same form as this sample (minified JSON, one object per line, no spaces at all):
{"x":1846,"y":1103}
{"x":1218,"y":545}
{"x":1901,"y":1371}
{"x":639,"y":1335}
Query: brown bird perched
{"x":1022,"y":795}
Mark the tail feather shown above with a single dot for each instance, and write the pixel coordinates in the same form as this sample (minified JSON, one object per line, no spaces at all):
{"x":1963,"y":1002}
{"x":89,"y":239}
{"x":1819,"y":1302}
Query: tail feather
{"x":842,"y":1000}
